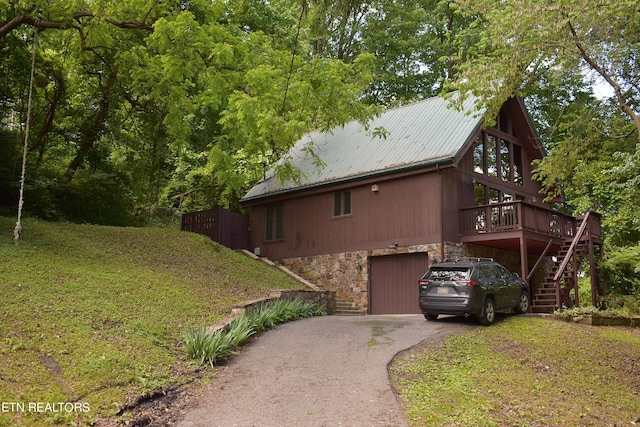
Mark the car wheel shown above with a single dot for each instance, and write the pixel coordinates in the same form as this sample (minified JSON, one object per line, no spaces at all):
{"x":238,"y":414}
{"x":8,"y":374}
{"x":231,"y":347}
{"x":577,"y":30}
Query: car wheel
{"x":488,"y":312}
{"x":431,"y":316}
{"x":523,"y":303}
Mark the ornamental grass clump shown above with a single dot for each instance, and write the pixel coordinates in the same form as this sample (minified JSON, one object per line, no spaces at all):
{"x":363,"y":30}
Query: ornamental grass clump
{"x":211,"y":347}
{"x":207,"y":347}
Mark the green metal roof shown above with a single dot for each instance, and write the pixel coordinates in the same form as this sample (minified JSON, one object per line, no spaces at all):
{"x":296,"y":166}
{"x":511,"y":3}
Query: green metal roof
{"x":425,"y":133}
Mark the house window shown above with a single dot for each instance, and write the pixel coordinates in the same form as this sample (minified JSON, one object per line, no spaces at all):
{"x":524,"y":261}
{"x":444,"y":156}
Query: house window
{"x":499,"y":158}
{"x":492,"y":156}
{"x":342,"y":203}
{"x":505,"y":160}
{"x":273,"y":223}
{"x":517,"y":165}
{"x":478,"y":155}
{"x":485,"y":195}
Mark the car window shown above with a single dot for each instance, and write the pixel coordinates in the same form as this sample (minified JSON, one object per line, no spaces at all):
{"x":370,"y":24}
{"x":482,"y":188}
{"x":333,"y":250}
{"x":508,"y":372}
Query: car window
{"x":501,"y":272}
{"x":483,"y":272}
{"x":448,"y":274}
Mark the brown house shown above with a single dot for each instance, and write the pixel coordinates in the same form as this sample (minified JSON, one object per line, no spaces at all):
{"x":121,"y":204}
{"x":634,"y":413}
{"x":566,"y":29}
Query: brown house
{"x":421,"y":183}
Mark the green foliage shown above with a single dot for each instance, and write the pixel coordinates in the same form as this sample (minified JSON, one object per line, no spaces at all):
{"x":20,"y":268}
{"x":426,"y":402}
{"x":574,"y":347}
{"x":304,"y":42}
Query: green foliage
{"x":213,"y":346}
{"x":577,"y":313}
{"x":520,"y":371}
{"x":622,"y":271}
{"x":621,"y":305}
{"x":207,"y":347}
{"x":107,"y":307}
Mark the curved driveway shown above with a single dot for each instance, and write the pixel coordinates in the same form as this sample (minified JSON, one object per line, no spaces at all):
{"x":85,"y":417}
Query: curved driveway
{"x":321,"y":371}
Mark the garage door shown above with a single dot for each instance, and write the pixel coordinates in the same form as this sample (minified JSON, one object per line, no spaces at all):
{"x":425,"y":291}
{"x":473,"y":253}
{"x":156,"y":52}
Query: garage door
{"x":393,"y":283}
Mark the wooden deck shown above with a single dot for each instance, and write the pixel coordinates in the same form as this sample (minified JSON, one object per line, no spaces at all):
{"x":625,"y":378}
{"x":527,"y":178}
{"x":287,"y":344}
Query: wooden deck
{"x":521,"y":216}
{"x":534,"y":230}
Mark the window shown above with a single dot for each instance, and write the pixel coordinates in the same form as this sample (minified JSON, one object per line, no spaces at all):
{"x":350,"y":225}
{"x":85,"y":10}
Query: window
{"x":342,"y":203}
{"x":492,"y":156}
{"x":486,"y":195}
{"x":273,"y":223}
{"x":480,"y":190}
{"x":478,"y":155}
{"x":495,"y":196}
{"x":499,"y":158}
{"x":505,"y":160}
{"x":517,"y":165}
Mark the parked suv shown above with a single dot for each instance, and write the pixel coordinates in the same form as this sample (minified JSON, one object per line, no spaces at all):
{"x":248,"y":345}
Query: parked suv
{"x":471,"y":287}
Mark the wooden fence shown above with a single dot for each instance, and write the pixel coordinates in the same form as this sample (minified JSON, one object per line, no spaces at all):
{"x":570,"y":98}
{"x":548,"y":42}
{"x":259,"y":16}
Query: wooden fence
{"x":228,"y":228}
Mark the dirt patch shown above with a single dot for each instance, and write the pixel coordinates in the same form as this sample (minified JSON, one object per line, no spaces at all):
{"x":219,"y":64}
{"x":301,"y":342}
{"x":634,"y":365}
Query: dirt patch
{"x":163,"y":407}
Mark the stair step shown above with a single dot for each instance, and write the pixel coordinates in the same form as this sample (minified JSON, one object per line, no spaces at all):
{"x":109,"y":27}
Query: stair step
{"x":346,"y":308}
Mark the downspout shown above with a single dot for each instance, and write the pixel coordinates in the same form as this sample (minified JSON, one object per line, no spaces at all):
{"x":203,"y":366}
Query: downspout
{"x":442,"y":255}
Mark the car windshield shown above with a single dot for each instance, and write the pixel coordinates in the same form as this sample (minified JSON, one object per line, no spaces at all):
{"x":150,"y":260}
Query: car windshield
{"x":448,"y":274}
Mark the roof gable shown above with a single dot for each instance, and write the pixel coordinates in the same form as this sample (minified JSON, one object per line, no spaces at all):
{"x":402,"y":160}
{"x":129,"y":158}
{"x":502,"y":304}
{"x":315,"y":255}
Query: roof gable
{"x":424,"y":133}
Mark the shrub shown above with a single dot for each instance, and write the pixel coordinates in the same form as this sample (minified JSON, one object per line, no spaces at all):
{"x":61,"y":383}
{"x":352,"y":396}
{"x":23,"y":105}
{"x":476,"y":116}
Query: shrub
{"x":622,"y":271}
{"x":207,"y":347}
{"x":211,"y":347}
{"x":576,"y":313}
{"x":621,"y":305}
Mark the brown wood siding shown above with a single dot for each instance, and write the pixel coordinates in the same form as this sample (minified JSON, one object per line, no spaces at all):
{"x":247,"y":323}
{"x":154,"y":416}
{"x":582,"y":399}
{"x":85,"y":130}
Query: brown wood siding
{"x":452,"y":186}
{"x":405,"y":211}
{"x":393,"y":283}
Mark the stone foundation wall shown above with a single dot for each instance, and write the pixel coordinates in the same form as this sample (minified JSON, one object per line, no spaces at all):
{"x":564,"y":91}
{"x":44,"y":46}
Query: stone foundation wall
{"x":347,"y":273}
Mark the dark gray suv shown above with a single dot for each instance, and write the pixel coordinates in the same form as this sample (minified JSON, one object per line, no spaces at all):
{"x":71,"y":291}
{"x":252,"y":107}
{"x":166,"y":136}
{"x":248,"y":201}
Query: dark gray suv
{"x":471,"y":287}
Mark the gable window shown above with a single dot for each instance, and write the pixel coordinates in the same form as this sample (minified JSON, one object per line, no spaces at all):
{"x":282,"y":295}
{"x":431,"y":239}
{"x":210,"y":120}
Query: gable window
{"x":478,"y":155}
{"x":273,"y":223}
{"x":342,"y":203}
{"x":517,"y":165}
{"x":498,"y":157}
{"x":505,"y":160}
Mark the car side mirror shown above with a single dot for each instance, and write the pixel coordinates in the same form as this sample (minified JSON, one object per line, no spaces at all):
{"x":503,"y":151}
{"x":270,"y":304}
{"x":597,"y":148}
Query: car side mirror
{"x":516,"y":275}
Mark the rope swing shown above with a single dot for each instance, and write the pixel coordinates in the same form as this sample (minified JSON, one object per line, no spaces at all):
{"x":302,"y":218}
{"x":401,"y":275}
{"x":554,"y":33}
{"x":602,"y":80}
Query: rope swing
{"x":18,"y":229}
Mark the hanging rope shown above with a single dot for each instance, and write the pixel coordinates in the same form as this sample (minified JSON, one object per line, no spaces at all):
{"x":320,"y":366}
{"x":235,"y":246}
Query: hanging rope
{"x":18,"y":229}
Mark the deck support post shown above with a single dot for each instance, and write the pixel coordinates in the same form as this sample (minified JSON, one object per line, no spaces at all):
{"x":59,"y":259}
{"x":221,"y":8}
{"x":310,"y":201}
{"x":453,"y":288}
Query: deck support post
{"x":524,"y":259}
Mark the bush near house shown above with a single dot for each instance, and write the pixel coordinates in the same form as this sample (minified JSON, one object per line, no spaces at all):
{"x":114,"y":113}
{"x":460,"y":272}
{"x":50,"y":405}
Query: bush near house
{"x":96,"y":314}
{"x":621,"y":269}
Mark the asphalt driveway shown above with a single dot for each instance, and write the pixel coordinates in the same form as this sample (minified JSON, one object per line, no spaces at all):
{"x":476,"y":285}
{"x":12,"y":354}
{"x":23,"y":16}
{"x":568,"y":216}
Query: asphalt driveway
{"x":322,"y":371}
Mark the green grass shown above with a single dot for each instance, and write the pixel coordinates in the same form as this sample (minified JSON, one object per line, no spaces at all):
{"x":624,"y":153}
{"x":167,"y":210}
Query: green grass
{"x":524,"y":371}
{"x":97,"y":314}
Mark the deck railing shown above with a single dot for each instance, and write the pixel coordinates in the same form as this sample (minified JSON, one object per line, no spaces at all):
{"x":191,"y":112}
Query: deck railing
{"x":228,"y":228}
{"x":519,"y":215}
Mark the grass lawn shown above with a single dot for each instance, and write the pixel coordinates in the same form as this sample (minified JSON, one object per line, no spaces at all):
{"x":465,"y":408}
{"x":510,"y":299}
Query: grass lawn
{"x":524,"y":371}
{"x":96,"y":315}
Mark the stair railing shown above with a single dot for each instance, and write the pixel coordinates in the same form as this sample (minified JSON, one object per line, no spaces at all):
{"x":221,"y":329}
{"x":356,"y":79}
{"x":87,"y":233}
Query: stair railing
{"x":569,"y":255}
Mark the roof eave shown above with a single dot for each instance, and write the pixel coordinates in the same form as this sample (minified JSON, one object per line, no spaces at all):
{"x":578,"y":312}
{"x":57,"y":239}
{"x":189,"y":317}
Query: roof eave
{"x":348,"y":179}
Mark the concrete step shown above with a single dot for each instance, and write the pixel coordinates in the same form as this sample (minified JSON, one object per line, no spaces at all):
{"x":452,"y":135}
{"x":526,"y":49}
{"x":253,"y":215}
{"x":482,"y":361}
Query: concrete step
{"x":347,"y":308}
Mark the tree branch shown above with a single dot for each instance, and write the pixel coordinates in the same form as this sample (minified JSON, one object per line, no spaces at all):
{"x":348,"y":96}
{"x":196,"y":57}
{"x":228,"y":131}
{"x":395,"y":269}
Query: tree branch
{"x":622,"y":103}
{"x":7,"y":26}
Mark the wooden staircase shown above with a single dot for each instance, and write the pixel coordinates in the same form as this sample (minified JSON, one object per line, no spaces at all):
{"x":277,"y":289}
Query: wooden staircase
{"x":553,"y":295}
{"x":560,"y":288}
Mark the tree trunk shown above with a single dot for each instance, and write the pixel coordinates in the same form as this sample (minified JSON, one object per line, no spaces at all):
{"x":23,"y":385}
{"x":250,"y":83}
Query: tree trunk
{"x":92,"y":134}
